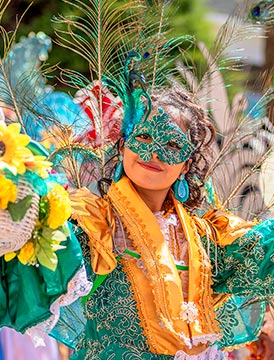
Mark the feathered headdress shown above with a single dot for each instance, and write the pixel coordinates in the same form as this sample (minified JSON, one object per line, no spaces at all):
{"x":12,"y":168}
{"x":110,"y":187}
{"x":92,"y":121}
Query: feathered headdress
{"x":129,"y":55}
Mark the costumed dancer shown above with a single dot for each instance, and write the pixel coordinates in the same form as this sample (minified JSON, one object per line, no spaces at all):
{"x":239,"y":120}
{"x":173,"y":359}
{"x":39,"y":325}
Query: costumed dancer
{"x":168,"y":284}
{"x":171,"y":293}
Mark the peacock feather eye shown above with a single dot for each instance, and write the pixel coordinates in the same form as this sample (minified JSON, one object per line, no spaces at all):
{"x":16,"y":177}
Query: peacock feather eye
{"x":147,"y":54}
{"x":263,"y":12}
{"x":256,"y":11}
{"x":2,"y":148}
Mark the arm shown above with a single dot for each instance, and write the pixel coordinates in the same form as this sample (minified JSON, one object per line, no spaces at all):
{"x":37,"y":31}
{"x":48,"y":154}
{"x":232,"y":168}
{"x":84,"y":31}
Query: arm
{"x":241,"y":253}
{"x":94,"y":216}
{"x":246,"y":266}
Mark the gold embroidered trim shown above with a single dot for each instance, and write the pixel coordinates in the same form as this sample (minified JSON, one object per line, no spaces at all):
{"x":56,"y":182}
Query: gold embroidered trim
{"x":141,"y":306}
{"x":144,"y":231}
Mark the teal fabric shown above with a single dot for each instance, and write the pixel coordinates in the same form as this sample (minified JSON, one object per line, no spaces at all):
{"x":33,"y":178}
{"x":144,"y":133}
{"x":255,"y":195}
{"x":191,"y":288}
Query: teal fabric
{"x":113,"y":329}
{"x":239,"y":324}
{"x":26,"y":292}
{"x":244,"y":269}
{"x":70,"y":325}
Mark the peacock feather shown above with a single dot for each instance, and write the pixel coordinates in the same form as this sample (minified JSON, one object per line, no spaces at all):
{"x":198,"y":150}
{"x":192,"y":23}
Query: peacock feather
{"x":129,"y":54}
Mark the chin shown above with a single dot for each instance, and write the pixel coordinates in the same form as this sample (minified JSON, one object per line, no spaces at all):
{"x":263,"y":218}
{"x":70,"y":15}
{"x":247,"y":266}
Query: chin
{"x":149,"y":186}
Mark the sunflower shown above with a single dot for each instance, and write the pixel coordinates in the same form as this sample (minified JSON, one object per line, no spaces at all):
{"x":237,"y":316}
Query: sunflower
{"x":8,"y":192}
{"x":59,"y":206}
{"x":39,"y":165}
{"x":13,"y":151}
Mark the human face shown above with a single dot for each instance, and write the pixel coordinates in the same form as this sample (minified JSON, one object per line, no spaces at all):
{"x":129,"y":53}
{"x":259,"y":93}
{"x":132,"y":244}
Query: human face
{"x":162,"y":136}
{"x":155,"y":153}
{"x":153,"y":174}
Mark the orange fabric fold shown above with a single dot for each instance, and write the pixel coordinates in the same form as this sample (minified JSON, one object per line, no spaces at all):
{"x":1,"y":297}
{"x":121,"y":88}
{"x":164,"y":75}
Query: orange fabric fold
{"x":222,"y":227}
{"x":95,"y":217}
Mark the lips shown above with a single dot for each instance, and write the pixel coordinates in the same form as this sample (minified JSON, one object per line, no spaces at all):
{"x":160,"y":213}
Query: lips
{"x":150,"y":166}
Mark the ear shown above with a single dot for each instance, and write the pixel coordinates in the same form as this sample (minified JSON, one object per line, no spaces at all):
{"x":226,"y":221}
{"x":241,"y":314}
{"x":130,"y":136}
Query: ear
{"x":186,"y":166}
{"x":121,"y":146}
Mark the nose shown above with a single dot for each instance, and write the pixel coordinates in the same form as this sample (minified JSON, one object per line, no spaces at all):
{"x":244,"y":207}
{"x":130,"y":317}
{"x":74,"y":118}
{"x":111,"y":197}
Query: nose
{"x":154,"y":155}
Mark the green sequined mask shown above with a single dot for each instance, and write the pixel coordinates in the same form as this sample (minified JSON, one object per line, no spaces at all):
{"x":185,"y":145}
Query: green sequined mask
{"x":161,"y":136}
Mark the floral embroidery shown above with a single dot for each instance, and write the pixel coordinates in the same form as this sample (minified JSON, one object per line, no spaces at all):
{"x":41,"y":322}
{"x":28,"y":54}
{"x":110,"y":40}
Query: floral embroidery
{"x":252,"y":244}
{"x":227,"y":322}
{"x":251,"y":267}
{"x":241,"y":272}
{"x":114,"y":327}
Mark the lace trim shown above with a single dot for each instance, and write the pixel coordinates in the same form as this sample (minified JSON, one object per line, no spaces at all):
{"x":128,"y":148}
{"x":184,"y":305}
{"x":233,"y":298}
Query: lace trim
{"x":204,"y":339}
{"x":210,"y":353}
{"x":197,"y":340}
{"x":186,"y":340}
{"x":77,"y":287}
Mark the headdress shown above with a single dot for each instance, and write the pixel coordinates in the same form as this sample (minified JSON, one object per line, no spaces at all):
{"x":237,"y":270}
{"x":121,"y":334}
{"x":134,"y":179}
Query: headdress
{"x":130,"y":56}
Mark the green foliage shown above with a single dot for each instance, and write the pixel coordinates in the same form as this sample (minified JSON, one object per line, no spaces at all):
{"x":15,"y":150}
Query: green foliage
{"x":189,"y":17}
{"x":37,"y":16}
{"x":186,"y":17}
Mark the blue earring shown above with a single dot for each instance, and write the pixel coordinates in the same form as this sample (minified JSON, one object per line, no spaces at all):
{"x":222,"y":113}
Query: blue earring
{"x":119,"y":170}
{"x":181,"y":189}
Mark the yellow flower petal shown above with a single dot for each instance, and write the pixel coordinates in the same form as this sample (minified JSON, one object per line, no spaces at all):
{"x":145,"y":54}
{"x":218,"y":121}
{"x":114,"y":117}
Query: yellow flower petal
{"x":14,"y":151}
{"x":39,"y":165}
{"x":60,"y":206}
{"x":14,"y":128}
{"x":8,"y":192}
{"x":26,"y":253}
{"x":9,"y":256}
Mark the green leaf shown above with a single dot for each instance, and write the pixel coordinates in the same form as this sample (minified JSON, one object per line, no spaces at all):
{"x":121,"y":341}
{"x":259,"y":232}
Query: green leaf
{"x":47,"y":233}
{"x":59,"y":236}
{"x":56,"y":247}
{"x":65,"y":230}
{"x":43,"y":208}
{"x":53,"y":235}
{"x":18,"y":210}
{"x":47,"y":257}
